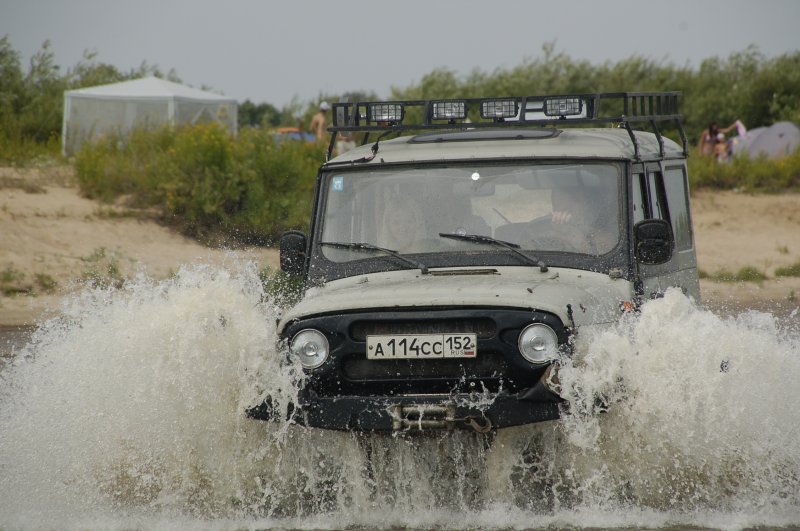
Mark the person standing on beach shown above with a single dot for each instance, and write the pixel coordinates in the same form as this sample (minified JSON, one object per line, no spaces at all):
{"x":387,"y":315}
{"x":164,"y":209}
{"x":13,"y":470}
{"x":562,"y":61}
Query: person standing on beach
{"x":318,"y":122}
{"x":708,"y":138}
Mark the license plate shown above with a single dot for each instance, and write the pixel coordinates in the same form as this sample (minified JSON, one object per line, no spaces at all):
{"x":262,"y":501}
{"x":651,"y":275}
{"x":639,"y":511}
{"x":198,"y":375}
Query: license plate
{"x":422,"y":346}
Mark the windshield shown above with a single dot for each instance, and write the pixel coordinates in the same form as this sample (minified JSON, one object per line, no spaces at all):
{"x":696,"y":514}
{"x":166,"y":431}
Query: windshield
{"x":557,"y":208}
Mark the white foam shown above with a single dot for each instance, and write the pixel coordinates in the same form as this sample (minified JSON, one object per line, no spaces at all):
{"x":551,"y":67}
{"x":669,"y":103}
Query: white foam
{"x":130,"y":412}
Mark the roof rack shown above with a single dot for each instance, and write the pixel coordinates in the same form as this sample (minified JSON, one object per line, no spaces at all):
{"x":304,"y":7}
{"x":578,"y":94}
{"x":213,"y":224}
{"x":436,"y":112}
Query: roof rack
{"x":517,"y":111}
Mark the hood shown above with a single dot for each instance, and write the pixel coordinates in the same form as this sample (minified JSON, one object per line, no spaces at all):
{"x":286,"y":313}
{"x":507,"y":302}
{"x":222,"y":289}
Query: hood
{"x":595,"y":297}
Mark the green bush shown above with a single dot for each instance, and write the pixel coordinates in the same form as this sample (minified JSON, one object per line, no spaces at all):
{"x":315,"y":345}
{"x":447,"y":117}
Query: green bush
{"x":213,"y":185}
{"x":754,"y":174}
{"x":13,"y":282}
{"x":283,"y":289}
{"x":788,"y":271}
{"x":102,"y":269}
{"x":19,"y":150}
{"x":280,"y":179}
{"x":96,"y":176}
{"x":745,"y":274}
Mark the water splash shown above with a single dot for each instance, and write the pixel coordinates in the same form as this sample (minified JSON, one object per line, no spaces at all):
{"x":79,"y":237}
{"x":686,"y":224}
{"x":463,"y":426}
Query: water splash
{"x":129,"y":411}
{"x":135,"y":397}
{"x":701,"y":415}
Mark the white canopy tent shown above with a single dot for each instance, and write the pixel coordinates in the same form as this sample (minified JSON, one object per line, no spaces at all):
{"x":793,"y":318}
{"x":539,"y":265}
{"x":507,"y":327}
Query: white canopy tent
{"x":141,"y":103}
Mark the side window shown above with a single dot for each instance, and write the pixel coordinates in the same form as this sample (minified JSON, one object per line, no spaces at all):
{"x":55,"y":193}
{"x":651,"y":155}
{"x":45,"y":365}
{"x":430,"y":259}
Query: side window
{"x":677,"y":193}
{"x":649,"y":196}
{"x":639,"y":193}
{"x":658,"y":201}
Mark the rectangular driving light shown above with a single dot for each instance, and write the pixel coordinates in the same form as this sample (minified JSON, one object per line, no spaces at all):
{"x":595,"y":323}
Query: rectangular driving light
{"x":449,"y":110}
{"x":563,"y":107}
{"x":499,"y":109}
{"x":385,"y":112}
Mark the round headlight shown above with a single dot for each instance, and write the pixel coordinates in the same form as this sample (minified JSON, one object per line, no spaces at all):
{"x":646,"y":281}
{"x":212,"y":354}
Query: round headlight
{"x":311,"y":347}
{"x":538,"y":343}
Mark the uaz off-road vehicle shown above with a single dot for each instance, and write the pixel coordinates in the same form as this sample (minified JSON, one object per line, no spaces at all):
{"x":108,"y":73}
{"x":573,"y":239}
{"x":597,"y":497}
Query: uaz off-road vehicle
{"x":447,"y":270}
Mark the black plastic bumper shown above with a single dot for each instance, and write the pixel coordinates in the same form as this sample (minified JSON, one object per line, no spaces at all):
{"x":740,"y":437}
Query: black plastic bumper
{"x":421,"y":412}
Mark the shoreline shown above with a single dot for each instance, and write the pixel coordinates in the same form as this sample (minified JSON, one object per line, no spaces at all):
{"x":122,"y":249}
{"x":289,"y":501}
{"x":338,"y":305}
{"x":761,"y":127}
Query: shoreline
{"x":53,"y":239}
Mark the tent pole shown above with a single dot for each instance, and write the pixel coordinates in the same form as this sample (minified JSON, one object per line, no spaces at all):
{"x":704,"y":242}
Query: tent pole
{"x":171,"y":111}
{"x":64,"y":125}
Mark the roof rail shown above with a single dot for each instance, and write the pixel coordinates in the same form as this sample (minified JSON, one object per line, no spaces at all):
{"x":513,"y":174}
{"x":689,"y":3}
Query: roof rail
{"x":516,"y":111}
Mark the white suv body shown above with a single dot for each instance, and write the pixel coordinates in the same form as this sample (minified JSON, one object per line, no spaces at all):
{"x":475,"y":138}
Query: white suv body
{"x":447,"y":272}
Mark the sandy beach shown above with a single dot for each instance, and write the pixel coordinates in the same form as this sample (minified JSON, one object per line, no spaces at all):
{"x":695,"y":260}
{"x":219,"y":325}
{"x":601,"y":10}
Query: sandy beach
{"x":51,"y":239}
{"x":55,"y":237}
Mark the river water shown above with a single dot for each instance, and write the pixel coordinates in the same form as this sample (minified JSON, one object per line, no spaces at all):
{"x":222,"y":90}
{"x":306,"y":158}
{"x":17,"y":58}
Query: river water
{"x":127,"y":412}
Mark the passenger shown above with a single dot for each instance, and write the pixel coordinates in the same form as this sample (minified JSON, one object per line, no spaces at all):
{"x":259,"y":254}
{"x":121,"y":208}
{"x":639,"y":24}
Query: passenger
{"x":403,"y":225}
{"x":449,"y":210}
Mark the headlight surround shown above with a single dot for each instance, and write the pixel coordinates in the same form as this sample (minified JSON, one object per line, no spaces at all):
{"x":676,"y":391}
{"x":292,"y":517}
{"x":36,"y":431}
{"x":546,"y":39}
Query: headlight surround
{"x":311,"y":348}
{"x":538,"y":343}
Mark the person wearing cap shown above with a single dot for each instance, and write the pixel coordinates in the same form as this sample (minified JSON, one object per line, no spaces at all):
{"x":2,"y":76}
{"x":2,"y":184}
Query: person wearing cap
{"x":317,"y":125}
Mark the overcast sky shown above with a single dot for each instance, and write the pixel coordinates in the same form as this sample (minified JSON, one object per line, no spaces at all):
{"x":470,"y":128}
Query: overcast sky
{"x":275,"y":50}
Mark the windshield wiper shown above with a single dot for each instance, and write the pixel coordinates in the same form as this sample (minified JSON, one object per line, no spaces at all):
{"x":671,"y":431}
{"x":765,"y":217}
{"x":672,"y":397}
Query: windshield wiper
{"x":359,"y":246}
{"x":513,"y":247}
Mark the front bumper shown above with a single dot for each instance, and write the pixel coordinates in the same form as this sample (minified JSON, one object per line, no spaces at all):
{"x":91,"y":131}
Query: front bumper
{"x":495,"y":389}
{"x":480,"y":412}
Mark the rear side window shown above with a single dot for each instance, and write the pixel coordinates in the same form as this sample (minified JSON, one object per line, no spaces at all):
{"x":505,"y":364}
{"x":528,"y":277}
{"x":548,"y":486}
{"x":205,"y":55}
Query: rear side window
{"x":678,"y":194}
{"x":649,"y":197}
{"x":658,"y":200}
{"x":639,"y":198}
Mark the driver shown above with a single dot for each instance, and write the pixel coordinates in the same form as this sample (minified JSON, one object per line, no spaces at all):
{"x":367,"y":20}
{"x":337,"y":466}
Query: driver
{"x":578,"y":219}
{"x":570,"y":206}
{"x":572,"y":218}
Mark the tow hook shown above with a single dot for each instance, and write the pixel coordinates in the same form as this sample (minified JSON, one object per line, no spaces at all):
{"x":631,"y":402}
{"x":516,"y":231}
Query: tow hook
{"x":422,"y":417}
{"x":480,"y":425}
{"x":434,"y":417}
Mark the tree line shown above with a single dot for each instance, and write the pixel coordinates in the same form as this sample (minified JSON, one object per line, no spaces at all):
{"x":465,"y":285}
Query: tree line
{"x":746,"y":85}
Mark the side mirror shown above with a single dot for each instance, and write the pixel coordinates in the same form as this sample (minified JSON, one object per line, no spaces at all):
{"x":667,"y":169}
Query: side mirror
{"x":293,"y":252}
{"x":653,"y":241}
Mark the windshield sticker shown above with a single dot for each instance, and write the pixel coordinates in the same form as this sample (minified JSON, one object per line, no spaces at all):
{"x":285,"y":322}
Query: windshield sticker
{"x":337,"y":184}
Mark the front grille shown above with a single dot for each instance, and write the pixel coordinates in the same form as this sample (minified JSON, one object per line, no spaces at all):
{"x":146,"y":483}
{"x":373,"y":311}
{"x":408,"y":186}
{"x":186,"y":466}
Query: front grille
{"x":498,"y":363}
{"x":484,"y":328}
{"x":486,"y":365}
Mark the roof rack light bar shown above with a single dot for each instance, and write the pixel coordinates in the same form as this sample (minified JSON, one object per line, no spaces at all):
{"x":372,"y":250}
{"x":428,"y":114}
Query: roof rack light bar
{"x":525,"y":111}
